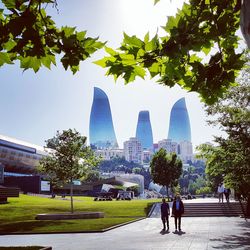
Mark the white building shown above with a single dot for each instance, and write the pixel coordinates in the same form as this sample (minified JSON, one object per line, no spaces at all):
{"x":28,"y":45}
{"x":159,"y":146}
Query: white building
{"x":130,"y":178}
{"x":133,"y":150}
{"x":186,"y":151}
{"x":169,"y":145}
{"x":108,"y":153}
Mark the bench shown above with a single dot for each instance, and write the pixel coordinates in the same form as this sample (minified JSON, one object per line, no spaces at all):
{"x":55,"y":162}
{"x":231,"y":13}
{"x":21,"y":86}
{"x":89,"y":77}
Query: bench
{"x":6,"y":192}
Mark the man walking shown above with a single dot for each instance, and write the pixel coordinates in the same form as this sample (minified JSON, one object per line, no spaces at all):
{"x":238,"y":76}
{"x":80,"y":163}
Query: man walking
{"x":220,"y":191}
{"x":165,"y":214}
{"x":227,"y":193}
{"x":178,"y":211}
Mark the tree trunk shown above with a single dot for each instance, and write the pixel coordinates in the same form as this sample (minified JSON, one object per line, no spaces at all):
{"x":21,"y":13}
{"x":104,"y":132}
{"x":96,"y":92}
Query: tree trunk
{"x":71,"y":197}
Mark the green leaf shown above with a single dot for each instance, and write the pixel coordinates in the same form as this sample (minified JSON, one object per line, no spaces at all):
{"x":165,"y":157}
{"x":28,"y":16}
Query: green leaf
{"x":30,"y":62}
{"x":154,"y":69}
{"x":134,"y":41}
{"x":152,"y":45}
{"x":74,"y":68}
{"x":146,"y":38}
{"x":127,"y":57}
{"x":194,"y":58}
{"x":206,"y":50}
{"x":172,"y":22}
{"x":81,"y":35}
{"x":102,"y":62}
{"x":68,"y":31}
{"x":110,"y":51}
{"x":5,"y":58}
{"x":140,"y":71}
{"x":46,"y":61}
{"x":9,"y":45}
{"x":156,"y":1}
{"x":52,"y":59}
{"x":10,"y":4}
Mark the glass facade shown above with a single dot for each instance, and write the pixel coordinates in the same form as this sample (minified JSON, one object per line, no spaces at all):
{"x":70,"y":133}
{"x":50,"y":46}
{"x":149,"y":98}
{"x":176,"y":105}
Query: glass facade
{"x":101,"y":129}
{"x":144,"y":130}
{"x":179,"y":126}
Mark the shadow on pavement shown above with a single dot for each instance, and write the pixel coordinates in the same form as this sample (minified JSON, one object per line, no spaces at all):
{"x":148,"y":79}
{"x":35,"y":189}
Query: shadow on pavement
{"x":235,"y":241}
{"x":162,"y":232}
{"x":179,"y":232}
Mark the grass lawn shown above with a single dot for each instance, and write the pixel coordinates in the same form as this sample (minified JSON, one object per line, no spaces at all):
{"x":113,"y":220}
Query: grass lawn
{"x":19,"y":214}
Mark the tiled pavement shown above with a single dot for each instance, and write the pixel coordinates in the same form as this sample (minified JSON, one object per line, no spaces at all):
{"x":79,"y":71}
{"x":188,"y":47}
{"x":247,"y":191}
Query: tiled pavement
{"x":198,"y":233}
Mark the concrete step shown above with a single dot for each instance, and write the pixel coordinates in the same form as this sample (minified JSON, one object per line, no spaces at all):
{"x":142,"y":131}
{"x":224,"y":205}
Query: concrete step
{"x":205,"y":209}
{"x":212,"y":209}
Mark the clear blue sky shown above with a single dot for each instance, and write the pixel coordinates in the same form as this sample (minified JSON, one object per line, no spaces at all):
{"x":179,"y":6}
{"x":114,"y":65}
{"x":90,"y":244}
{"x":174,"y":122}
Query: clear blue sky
{"x":34,"y":106}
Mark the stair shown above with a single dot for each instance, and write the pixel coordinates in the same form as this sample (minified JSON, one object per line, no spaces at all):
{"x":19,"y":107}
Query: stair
{"x":213,"y":209}
{"x":204,"y":209}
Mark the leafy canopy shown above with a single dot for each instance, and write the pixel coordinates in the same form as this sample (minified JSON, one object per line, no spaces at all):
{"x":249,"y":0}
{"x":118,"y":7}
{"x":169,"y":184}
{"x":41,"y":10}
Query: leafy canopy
{"x":201,"y":28}
{"x":68,"y":159}
{"x":29,"y":35}
{"x":230,"y":160}
{"x":166,"y":169}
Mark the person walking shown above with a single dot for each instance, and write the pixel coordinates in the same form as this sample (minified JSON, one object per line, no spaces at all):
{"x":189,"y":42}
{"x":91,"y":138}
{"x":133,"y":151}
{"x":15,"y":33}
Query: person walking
{"x":227,"y":193}
{"x":178,"y":211}
{"x":164,"y":214}
{"x":220,"y":191}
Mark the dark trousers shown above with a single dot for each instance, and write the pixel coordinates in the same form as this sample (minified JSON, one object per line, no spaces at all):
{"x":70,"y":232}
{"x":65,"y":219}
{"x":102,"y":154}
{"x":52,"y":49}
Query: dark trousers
{"x":177,"y":218}
{"x":164,"y":219}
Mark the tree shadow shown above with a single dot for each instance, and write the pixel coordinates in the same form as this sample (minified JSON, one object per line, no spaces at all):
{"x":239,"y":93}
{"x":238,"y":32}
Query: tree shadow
{"x":234,"y":241}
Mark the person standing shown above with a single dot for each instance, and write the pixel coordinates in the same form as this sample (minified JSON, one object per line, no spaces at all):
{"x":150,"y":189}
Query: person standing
{"x":178,"y":211}
{"x":164,"y":214}
{"x":220,"y":191}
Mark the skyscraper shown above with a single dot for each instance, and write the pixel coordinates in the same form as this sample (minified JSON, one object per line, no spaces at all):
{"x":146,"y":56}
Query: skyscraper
{"x":144,"y":131}
{"x":101,"y":129}
{"x":179,"y":126}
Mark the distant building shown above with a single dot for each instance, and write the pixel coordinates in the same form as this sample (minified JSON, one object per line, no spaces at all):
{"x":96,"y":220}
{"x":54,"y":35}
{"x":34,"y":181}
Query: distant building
{"x":18,"y":161}
{"x":186,"y":151}
{"x":129,"y":178}
{"x":146,"y":156}
{"x":19,"y":157}
{"x":179,"y":125}
{"x":133,"y":150}
{"x":101,"y":129}
{"x":109,"y":153}
{"x":155,"y":147}
{"x":144,"y":130}
{"x":169,"y":145}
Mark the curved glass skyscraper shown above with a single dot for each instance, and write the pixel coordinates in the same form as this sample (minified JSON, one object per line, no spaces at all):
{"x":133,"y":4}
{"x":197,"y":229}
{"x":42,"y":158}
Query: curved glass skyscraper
{"x":144,"y":131}
{"x":101,"y":129}
{"x":179,"y":126}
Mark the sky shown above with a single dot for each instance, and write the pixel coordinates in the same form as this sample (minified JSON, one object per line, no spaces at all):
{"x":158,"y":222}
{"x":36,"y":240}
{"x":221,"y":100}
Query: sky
{"x":33,"y":106}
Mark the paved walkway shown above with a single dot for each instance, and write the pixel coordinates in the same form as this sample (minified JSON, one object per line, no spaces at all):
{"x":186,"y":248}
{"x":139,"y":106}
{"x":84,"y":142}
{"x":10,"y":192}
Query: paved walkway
{"x":198,"y":234}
